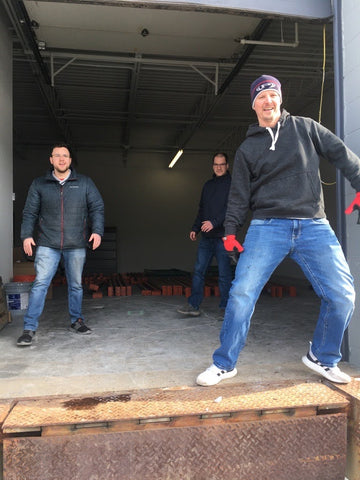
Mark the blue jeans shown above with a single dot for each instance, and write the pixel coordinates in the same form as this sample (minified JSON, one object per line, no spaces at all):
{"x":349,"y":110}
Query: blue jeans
{"x":46,"y":264}
{"x":312,"y":244}
{"x":208,"y":248}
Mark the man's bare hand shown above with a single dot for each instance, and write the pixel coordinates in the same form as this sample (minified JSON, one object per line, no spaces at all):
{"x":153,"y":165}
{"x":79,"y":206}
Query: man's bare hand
{"x":96,"y":239}
{"x":28,"y":243}
{"x":206,"y":226}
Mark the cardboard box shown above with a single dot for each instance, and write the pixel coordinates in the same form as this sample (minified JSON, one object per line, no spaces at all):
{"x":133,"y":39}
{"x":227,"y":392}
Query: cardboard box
{"x":23,"y":268}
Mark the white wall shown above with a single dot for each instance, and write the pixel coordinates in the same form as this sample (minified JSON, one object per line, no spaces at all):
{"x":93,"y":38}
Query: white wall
{"x":351,"y":61}
{"x":6,"y":168}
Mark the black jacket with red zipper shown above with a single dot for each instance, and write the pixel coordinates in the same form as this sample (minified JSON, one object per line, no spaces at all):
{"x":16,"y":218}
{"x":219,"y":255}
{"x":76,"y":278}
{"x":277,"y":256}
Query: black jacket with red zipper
{"x":63,"y":215}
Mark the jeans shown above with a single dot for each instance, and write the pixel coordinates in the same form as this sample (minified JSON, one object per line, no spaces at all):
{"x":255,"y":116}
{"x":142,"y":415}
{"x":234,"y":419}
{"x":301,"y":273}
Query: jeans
{"x":208,"y":248}
{"x":312,"y":244}
{"x":46,"y":264}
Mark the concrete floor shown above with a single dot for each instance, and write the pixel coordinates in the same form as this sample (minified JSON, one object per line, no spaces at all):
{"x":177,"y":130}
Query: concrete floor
{"x":142,"y":342}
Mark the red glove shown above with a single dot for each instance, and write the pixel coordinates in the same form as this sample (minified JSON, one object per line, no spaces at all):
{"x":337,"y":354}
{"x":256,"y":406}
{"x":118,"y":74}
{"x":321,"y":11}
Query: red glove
{"x":232,"y":245}
{"x":354,"y":205}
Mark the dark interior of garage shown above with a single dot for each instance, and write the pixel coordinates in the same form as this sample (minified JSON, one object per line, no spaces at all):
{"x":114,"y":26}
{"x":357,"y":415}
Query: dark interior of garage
{"x":127,"y":85}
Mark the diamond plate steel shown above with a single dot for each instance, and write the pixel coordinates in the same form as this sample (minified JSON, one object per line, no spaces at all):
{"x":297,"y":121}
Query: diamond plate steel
{"x":352,"y":388}
{"x":170,"y":403}
{"x":352,"y":391}
{"x":5,"y":407}
{"x":311,"y":448}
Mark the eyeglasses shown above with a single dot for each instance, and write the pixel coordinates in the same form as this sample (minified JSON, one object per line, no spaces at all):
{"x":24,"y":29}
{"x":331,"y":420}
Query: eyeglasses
{"x":219,"y":164}
{"x":57,"y":155}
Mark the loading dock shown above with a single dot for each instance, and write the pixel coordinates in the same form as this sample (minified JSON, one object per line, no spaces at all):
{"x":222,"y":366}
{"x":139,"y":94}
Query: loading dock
{"x":175,"y":188}
{"x":133,"y":381}
{"x":237,"y":432}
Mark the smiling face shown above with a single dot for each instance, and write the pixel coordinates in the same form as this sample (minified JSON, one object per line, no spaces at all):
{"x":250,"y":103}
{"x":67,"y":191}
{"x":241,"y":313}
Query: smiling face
{"x":267,"y":108}
{"x":60,"y":159}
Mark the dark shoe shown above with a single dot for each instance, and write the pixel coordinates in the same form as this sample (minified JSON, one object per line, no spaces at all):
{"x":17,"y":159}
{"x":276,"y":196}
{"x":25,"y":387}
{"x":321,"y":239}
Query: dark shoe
{"x":189,"y":310}
{"x":80,"y":327}
{"x":26,"y":338}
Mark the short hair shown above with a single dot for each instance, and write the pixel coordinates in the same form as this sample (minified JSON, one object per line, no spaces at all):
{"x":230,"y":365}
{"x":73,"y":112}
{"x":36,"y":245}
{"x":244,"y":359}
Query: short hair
{"x":60,"y":145}
{"x":220,"y":154}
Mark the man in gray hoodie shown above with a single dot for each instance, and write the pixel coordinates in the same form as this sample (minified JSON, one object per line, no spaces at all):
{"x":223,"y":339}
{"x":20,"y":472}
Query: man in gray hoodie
{"x":276,"y":176}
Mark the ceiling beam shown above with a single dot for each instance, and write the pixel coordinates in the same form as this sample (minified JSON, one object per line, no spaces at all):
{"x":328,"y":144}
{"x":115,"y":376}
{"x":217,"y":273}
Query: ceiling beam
{"x":22,"y":25}
{"x":257,"y":35}
{"x":134,"y":82}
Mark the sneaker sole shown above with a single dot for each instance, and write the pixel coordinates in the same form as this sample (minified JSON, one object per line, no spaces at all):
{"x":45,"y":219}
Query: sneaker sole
{"x":72,"y":330}
{"x":321,"y":371}
{"x":189,"y":314}
{"x":220,"y":379}
{"x":26,"y":344}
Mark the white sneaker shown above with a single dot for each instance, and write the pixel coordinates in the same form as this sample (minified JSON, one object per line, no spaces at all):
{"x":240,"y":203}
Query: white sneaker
{"x":214,"y":375}
{"x":334,"y":374}
{"x":189,"y":310}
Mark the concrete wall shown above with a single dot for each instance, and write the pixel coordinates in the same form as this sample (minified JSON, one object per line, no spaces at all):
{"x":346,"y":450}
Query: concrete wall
{"x":6,"y":168}
{"x":351,"y":75}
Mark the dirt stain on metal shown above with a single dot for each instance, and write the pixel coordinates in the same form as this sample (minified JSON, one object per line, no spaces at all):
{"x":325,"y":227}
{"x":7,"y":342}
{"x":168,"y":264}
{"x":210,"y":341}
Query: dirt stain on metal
{"x":91,"y":402}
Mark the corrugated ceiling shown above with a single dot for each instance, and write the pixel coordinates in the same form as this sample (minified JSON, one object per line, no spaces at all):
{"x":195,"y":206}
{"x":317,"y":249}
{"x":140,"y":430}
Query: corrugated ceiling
{"x":147,"y":79}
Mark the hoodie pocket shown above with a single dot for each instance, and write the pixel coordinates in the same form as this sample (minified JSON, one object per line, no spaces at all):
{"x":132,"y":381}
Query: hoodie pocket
{"x":298,"y":192}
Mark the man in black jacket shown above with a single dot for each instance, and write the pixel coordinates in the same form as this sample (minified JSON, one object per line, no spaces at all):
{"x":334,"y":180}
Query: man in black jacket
{"x":276,"y":175}
{"x":209,"y":222}
{"x":63,"y":206}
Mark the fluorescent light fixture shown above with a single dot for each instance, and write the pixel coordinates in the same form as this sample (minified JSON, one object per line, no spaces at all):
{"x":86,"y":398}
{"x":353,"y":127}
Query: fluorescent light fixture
{"x":176,"y":158}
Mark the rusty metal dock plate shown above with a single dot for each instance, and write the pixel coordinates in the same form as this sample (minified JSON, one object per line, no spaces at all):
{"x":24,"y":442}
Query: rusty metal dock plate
{"x":235,"y":432}
{"x":147,"y":407}
{"x":5,"y":407}
{"x":352,"y":389}
{"x":352,"y":392}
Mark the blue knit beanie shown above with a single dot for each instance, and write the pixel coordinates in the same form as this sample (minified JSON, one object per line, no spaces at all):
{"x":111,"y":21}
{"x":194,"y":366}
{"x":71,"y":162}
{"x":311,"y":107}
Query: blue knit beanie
{"x":265,"y":82}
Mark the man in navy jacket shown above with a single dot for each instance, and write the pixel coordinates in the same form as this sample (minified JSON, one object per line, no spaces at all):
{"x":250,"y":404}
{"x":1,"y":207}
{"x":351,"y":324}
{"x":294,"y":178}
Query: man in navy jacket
{"x":67,"y":211}
{"x":209,"y":221}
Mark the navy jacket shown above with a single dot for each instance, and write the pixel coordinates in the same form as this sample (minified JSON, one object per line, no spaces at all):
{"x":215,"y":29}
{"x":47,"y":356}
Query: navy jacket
{"x":212,"y":206}
{"x":64,"y":215}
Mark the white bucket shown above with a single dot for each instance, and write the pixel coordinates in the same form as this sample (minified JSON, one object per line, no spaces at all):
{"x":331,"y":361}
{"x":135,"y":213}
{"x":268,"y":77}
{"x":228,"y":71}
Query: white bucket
{"x":17,"y":296}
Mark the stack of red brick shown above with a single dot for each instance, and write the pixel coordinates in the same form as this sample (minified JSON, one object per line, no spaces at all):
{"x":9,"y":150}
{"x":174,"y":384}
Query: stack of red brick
{"x":120,"y":285}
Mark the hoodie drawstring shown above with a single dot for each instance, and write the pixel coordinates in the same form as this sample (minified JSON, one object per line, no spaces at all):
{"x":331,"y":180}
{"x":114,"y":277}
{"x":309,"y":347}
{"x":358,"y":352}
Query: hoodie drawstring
{"x":273,"y":137}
